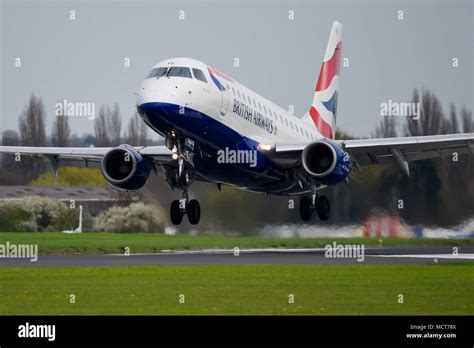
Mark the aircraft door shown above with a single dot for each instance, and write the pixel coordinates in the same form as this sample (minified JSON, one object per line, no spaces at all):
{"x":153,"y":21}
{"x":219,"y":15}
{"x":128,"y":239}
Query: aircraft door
{"x":224,"y":101}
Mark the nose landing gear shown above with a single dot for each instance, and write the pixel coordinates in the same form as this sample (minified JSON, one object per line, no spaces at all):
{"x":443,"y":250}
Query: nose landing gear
{"x":180,"y":179}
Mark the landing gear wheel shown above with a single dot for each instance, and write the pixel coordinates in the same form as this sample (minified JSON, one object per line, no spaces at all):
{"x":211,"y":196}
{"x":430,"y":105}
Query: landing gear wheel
{"x":175,"y":213}
{"x":305,"y":208}
{"x":193,"y":210}
{"x":323,"y":207}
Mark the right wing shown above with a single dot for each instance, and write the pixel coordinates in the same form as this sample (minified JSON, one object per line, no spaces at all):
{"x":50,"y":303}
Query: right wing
{"x":84,"y":156}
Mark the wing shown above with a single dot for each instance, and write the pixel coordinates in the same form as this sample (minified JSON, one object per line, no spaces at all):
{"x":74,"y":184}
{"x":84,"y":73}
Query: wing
{"x":84,"y":156}
{"x":388,"y":150}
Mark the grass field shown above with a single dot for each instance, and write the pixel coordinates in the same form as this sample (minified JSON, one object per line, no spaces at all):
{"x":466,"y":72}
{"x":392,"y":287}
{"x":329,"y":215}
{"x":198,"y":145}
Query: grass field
{"x":247,"y":290}
{"x":55,"y":242}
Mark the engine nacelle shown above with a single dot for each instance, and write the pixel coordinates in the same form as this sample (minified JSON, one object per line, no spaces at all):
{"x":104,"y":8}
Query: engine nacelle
{"x":325,"y":161}
{"x":125,"y":168}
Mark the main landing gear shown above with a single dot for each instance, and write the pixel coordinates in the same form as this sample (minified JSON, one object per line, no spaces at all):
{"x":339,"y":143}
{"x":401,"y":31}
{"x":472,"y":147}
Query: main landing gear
{"x":181,"y":207}
{"x":320,"y":204}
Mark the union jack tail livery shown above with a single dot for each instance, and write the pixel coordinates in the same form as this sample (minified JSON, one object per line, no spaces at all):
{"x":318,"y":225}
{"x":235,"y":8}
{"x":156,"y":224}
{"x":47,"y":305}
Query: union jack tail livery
{"x":322,"y":112}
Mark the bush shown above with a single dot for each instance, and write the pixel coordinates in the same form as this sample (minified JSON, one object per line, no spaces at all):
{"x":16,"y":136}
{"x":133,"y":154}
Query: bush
{"x":11,"y":216}
{"x":71,"y":176}
{"x":35,"y":214}
{"x":137,"y":217}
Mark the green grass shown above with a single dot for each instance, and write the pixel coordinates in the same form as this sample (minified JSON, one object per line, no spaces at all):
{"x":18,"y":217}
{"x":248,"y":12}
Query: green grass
{"x":55,"y":242}
{"x":245,"y":290}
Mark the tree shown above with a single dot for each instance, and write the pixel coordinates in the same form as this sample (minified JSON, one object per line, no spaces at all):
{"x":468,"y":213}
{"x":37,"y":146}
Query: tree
{"x":467,"y":121}
{"x":10,"y":138}
{"x":453,"y":119}
{"x":32,"y":133}
{"x":61,"y":133}
{"x":100,"y":128}
{"x":115,"y":126}
{"x":31,"y":123}
{"x":108,"y":127}
{"x":137,"y":131}
{"x":430,"y":121}
{"x":10,"y":171}
{"x":386,"y":129}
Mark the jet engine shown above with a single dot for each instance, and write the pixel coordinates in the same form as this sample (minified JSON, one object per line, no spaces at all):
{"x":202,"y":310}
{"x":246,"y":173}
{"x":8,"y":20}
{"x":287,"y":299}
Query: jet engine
{"x":325,"y":161}
{"x":125,"y":168}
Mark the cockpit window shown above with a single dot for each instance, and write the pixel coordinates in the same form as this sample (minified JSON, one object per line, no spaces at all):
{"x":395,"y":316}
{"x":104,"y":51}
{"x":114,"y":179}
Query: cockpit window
{"x":179,"y":71}
{"x":199,"y":75}
{"x":157,"y":72}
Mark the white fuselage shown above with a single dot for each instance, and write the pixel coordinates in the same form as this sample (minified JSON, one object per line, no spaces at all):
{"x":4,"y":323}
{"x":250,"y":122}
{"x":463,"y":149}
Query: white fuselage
{"x":233,"y":105}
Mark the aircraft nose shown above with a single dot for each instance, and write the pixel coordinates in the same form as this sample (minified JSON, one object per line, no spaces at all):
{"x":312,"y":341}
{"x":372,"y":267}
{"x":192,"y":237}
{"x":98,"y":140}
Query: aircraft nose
{"x":146,"y":92}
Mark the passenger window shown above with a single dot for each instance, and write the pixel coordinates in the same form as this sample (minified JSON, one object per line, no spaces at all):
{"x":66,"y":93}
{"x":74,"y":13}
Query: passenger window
{"x":199,"y":75}
{"x":259,"y":106}
{"x":233,"y":90}
{"x":254,"y":103}
{"x":286,"y":121}
{"x":179,"y":71}
{"x":238,"y":93}
{"x":281,"y":118}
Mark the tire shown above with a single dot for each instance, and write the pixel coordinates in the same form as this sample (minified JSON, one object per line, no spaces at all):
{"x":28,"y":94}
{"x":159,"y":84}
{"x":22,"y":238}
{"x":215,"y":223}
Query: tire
{"x":323,"y":208}
{"x":175,"y":213}
{"x":193,"y":209}
{"x":305,"y":208}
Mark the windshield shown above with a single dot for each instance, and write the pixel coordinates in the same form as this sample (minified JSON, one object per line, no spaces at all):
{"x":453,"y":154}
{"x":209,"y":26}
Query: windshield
{"x":199,"y":75}
{"x":157,"y":72}
{"x":179,"y":71}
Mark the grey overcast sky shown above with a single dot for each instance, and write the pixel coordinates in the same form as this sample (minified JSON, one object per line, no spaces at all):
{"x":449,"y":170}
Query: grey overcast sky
{"x":82,"y":60}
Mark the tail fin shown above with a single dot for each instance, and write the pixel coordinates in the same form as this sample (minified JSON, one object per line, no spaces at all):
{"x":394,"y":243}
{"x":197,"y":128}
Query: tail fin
{"x":322,"y":112}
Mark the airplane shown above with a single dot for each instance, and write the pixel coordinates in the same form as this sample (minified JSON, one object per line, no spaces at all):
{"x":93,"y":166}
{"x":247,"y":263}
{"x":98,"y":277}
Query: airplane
{"x":217,"y":130}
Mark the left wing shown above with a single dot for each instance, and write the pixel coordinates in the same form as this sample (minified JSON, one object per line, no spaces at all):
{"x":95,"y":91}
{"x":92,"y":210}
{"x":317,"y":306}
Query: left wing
{"x":383,"y":151}
{"x":387,"y":150}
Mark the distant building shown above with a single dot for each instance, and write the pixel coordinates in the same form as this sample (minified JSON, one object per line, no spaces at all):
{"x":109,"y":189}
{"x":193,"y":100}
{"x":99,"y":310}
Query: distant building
{"x":94,"y":199}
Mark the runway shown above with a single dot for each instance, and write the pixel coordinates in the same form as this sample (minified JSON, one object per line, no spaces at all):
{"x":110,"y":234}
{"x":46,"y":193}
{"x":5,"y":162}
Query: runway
{"x":371,"y":256}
